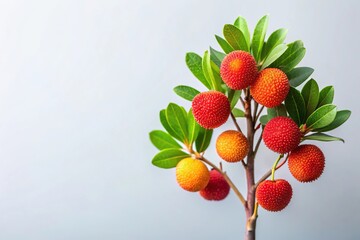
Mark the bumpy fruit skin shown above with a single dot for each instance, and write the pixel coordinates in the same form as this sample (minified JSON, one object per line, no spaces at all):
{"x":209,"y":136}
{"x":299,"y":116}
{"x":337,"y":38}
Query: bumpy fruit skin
{"x":217,"y":188}
{"x":306,"y":163}
{"x":232,"y":146}
{"x":238,"y":70}
{"x":192,"y":174}
{"x":281,"y":135}
{"x":274,"y":195}
{"x":211,"y":109}
{"x":270,"y":88}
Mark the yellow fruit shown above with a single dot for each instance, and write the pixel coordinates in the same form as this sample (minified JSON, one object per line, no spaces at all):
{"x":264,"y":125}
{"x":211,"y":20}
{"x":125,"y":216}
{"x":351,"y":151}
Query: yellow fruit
{"x":192,"y":174}
{"x":232,"y":146}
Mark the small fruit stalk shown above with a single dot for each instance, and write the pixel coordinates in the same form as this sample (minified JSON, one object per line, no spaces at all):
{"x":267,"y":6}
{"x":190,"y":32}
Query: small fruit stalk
{"x":249,"y":75}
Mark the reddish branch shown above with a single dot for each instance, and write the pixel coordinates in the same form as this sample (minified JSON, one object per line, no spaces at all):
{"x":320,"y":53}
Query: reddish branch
{"x":252,"y":116}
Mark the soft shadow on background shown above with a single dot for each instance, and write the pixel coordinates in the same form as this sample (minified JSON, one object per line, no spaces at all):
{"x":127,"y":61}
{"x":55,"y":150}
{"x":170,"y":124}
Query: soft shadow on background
{"x":81,"y":85}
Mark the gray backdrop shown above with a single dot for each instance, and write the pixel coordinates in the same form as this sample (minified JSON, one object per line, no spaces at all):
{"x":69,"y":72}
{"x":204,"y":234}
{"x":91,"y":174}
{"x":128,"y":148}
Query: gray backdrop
{"x":81,"y":84}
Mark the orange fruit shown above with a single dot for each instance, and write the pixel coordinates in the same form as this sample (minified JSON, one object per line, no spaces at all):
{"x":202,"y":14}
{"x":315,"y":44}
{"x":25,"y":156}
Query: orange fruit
{"x":192,"y":174}
{"x":306,"y":163}
{"x":270,"y":88}
{"x":232,"y":146}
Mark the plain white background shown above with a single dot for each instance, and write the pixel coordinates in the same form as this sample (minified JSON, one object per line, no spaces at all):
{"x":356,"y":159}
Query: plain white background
{"x":81,"y":85}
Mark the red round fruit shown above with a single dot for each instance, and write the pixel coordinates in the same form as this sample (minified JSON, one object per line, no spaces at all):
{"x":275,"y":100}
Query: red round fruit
{"x":217,"y":188}
{"x":306,"y":163}
{"x":281,"y":134}
{"x":274,"y":195}
{"x":238,"y":70}
{"x":211,"y":109}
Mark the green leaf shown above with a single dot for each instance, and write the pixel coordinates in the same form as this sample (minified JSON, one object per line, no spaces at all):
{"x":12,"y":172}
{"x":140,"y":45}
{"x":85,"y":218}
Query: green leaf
{"x":295,"y":106}
{"x":322,"y":117}
{"x":235,"y":37}
{"x":299,"y":75}
{"x":275,"y":39}
{"x":241,"y":24}
{"x":326,"y":96}
{"x":216,"y":56}
{"x":310,"y":93}
{"x":186,"y":92}
{"x":194,"y":63}
{"x":162,"y":140}
{"x":168,"y":158}
{"x":194,"y":127}
{"x":224,"y":44}
{"x":216,"y":74}
{"x":234,"y":96}
{"x":238,"y":112}
{"x":203,"y":140}
{"x":177,"y":121}
{"x":208,"y":72}
{"x":165,"y":123}
{"x":274,"y":54}
{"x":215,"y":68}
{"x":276,"y":111}
{"x":259,"y":36}
{"x":322,"y":137}
{"x":264,"y":119}
{"x":340,"y":118}
{"x":291,"y":57}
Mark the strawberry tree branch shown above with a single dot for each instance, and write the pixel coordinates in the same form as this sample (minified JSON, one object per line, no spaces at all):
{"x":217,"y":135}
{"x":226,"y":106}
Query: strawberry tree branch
{"x":242,"y":102}
{"x":258,"y":114}
{"x":250,"y":178}
{"x":251,"y":223}
{"x":235,"y":122}
{"x":258,"y":143}
{"x":256,"y":105}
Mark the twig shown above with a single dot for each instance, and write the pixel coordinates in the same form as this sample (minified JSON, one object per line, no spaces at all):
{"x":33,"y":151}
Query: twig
{"x":283,"y":162}
{"x":258,"y":143}
{"x":256,"y":105}
{"x":243,"y":163}
{"x":251,"y":223}
{"x":257,"y":127}
{"x":258,"y":114}
{"x":268,"y":173}
{"x":235,"y":122}
{"x":275,"y":166}
{"x":242,"y":101}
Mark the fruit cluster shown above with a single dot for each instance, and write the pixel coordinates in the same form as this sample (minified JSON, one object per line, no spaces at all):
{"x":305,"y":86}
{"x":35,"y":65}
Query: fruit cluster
{"x":281,"y":134}
{"x":260,"y":75}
